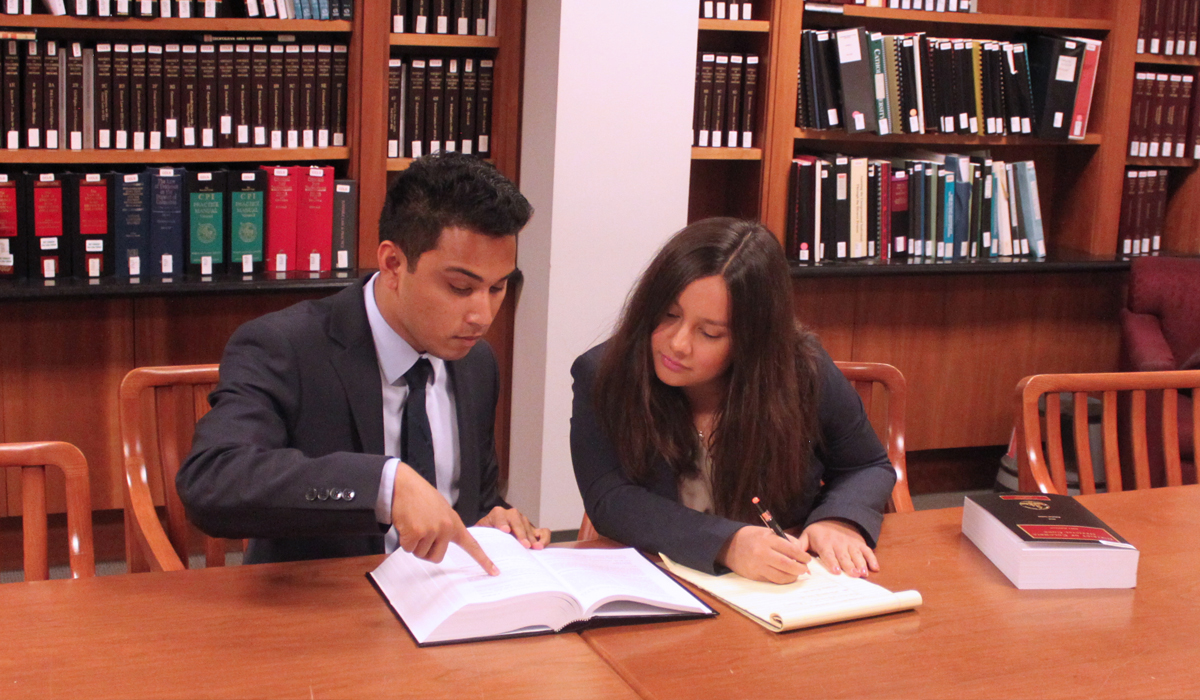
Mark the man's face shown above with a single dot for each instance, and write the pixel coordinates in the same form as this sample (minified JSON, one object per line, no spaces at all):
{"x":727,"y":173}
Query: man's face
{"x":447,"y":303}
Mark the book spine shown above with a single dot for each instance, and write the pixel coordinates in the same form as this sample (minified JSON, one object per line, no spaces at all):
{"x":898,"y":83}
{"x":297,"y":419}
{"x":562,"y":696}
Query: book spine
{"x":122,"y":121}
{"x":462,"y":17}
{"x":11,"y":111}
{"x":308,"y":95}
{"x":453,"y":89}
{"x":50,"y":255}
{"x":435,"y":104}
{"x":189,"y":95}
{"x":345,"y":224}
{"x":131,"y":223}
{"x":281,"y":219}
{"x":733,"y":98}
{"x":883,"y":111}
{"x":208,"y":96}
{"x":247,"y":209}
{"x":154,"y":96}
{"x":702,"y":116}
{"x":414,"y":109}
{"x":395,"y":80}
{"x":260,"y":76}
{"x":399,"y":13}
{"x":481,"y":8}
{"x":276,"y":96}
{"x":243,"y":87}
{"x":470,"y":89}
{"x":52,"y":75}
{"x":205,"y":211}
{"x":137,"y":96}
{"x":291,"y":96}
{"x":34,"y":85}
{"x":314,"y":240}
{"x":339,"y":94}
{"x":226,"y":88}
{"x":322,"y":98}
{"x":166,"y":250}
{"x":441,"y":16}
{"x":12,"y":243}
{"x":73,"y":127}
{"x":92,"y":247}
{"x":483,"y":122}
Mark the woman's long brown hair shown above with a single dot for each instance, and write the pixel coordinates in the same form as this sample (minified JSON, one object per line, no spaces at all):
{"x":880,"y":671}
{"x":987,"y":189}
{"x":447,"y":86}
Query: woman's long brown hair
{"x":766,"y":426}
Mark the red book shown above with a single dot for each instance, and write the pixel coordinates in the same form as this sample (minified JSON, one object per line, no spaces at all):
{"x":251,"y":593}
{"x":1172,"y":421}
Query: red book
{"x":314,"y":222}
{"x":1083,"y":94}
{"x":281,"y":219}
{"x":50,"y":255}
{"x":9,"y":206}
{"x":885,"y":210}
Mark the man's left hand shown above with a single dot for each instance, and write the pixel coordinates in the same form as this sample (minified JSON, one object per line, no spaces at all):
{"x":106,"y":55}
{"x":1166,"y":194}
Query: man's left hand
{"x":511,"y":520}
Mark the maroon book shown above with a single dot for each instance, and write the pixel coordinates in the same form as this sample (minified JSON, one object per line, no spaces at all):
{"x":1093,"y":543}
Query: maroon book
{"x":122,"y":121}
{"x":154,"y":96}
{"x":243,"y":90}
{"x":207,"y":96}
{"x":339,"y":92}
{"x":226,"y":85}
{"x":321,"y":98}
{"x":189,"y":95}
{"x":138,"y":124}
{"x":260,"y":72}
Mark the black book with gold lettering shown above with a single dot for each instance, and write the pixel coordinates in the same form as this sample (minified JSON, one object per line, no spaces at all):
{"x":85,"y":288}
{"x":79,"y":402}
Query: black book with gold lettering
{"x":260,"y":72}
{"x":51,"y":73}
{"x":226,"y":87}
{"x":73,"y":126}
{"x":189,"y":95}
{"x":435,"y":104}
{"x":338,"y":94}
{"x":719,"y":100}
{"x":414,"y":109}
{"x":483,"y":122}
{"x":276,"y":99}
{"x":33,"y":85}
{"x":154,"y":96}
{"x":1049,"y":541}
{"x":468,"y":100}
{"x":122,"y":119}
{"x":243,"y":87}
{"x":138,"y":128}
{"x":321,"y":98}
{"x":207,"y":98}
{"x":291,"y":96}
{"x":394,"y":83}
{"x":308,"y":95}
{"x":453,"y":99}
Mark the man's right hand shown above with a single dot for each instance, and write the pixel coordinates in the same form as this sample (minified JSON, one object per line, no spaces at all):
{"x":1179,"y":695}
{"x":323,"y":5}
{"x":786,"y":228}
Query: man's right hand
{"x":757,"y":553}
{"x":427,"y":524}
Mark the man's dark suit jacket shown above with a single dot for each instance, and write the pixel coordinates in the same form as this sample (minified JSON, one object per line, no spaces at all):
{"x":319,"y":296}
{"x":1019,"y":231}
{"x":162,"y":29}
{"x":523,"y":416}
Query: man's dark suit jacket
{"x":291,"y":453}
{"x":849,"y":478}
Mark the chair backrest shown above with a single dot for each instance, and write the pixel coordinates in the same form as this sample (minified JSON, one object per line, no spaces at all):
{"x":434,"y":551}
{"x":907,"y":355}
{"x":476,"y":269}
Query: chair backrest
{"x":864,"y":377}
{"x":1045,"y":471}
{"x":159,"y":410}
{"x":32,"y":458}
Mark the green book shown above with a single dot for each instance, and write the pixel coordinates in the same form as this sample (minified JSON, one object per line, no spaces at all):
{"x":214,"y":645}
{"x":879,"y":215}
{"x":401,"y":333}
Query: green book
{"x":883,"y":110}
{"x":247,"y":207}
{"x":206,"y":222}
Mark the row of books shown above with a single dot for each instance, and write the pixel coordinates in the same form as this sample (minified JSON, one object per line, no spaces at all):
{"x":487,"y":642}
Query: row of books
{"x":726,"y":9}
{"x":914,"y":84}
{"x":1143,"y":212}
{"x":941,"y":206}
{"x":921,"y":5}
{"x":726,"y":87}
{"x":152,"y":96}
{"x":168,"y":221}
{"x":462,"y":17}
{"x":1164,"y":121}
{"x":439,"y":104}
{"x":186,"y":9}
{"x":1169,"y":27}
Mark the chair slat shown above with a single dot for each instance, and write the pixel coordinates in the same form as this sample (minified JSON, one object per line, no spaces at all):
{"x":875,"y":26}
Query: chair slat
{"x":1083,"y":445}
{"x":1112,"y":454}
{"x":1054,"y":446}
{"x":1141,"y":455}
{"x":170,"y":402}
{"x":33,"y":523}
{"x":1170,"y":436}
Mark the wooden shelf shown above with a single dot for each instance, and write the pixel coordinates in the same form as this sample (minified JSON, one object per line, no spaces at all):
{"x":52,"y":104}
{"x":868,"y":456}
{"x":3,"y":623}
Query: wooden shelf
{"x":976,"y":18}
{"x":835,"y":135}
{"x":1160,"y":162}
{"x":1062,"y":262}
{"x":445,"y":40}
{"x":730,"y":25}
{"x":173,"y":24}
{"x":182,"y":285}
{"x":726,"y":153}
{"x":172,"y":155}
{"x":1159,"y":60}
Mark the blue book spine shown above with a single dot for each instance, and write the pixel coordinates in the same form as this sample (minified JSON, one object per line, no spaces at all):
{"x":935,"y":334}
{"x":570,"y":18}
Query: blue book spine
{"x":131,"y":223}
{"x":304,"y":9}
{"x":949,"y":213}
{"x":916,"y":209}
{"x":962,"y":208}
{"x":1031,"y":207}
{"x":166,"y":221}
{"x":323,"y":9}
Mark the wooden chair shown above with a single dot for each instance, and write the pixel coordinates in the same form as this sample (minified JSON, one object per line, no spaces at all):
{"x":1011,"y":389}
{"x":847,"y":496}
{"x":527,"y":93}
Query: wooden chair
{"x":32,"y":458}
{"x":1047,"y":473}
{"x":863,"y":376}
{"x":159,"y":410}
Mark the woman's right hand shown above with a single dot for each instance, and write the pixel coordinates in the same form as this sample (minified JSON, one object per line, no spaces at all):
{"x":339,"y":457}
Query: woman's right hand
{"x":757,"y":553}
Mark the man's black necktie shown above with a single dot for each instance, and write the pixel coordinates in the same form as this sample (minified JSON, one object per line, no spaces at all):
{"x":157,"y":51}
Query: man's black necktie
{"x":416,"y":438}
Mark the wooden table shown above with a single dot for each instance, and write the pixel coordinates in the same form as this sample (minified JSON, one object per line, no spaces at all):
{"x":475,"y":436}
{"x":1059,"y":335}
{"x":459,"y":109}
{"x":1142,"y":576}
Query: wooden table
{"x":299,"y":630}
{"x":976,"y":636}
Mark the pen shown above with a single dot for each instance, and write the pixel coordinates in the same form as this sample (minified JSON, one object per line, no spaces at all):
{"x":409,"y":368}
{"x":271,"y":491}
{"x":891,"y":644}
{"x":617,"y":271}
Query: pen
{"x":767,"y":519}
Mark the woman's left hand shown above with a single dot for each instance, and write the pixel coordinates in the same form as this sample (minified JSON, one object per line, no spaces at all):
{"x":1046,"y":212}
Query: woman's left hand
{"x":840,"y":546}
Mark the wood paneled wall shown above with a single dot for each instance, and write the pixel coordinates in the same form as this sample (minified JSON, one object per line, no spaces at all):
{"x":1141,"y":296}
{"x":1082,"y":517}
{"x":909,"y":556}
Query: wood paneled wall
{"x":964,"y":341}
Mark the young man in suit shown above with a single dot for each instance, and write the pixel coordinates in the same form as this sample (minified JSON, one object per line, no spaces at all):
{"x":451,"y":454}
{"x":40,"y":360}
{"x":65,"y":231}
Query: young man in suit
{"x":319,"y":444}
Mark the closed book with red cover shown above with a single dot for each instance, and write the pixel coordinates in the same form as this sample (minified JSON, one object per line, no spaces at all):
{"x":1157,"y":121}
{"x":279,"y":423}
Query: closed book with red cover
{"x":91,"y":240}
{"x":12,"y":244}
{"x":314,"y":222}
{"x":282,"y":199}
{"x":49,"y":251}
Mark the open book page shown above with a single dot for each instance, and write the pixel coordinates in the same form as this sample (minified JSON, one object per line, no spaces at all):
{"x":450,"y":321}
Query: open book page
{"x":614,"y":582}
{"x":427,"y":595}
{"x":816,"y":599}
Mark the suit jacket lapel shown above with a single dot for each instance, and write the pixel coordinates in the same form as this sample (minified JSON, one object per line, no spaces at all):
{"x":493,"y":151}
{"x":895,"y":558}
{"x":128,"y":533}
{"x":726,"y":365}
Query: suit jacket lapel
{"x":357,"y":366}
{"x":462,"y":377}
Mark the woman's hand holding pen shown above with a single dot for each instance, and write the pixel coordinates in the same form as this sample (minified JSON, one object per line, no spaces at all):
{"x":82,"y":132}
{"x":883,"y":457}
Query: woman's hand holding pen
{"x":840,"y":546}
{"x":759,"y":554}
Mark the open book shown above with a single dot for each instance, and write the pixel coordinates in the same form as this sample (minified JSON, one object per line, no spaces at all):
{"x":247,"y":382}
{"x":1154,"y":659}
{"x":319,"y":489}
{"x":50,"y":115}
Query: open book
{"x":818,"y":598}
{"x":537,"y":592}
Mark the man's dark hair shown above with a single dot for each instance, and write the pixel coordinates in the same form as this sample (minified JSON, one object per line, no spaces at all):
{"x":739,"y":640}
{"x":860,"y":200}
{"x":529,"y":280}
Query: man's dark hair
{"x":449,"y":190}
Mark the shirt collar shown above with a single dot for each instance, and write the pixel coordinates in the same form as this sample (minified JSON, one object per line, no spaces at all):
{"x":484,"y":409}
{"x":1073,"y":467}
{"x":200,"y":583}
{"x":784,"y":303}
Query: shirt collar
{"x":394,"y":353}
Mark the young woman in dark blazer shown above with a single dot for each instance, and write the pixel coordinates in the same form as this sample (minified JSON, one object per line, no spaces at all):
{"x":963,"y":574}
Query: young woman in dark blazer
{"x":710,"y":394}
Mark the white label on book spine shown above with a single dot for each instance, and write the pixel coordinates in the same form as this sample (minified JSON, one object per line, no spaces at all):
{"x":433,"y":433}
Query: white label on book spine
{"x":731,"y":139}
{"x":6,"y":258}
{"x":747,"y":139}
{"x":481,"y":27}
{"x":135,"y":266}
{"x":204,"y":177}
{"x":189,"y":136}
{"x":721,"y":9}
{"x":708,"y":9}
{"x":247,"y":263}
{"x":716,"y":140}
{"x":1191,"y":48}
{"x":314,"y":262}
{"x":210,"y":8}
{"x":880,"y":86}
{"x":48,"y":243}
{"x":422,"y":27}
{"x":397,"y":24}
{"x":52,"y":139}
{"x":1179,"y":151}
{"x":841,"y":249}
{"x":260,"y":136}
{"x":941,"y":249}
{"x":484,"y":139}
{"x":393,"y":149}
{"x":156,"y":140}
{"x":343,"y":258}
{"x":168,"y":264}
{"x":1154,"y":46}
{"x":1024,"y":246}
{"x":90,"y":177}
{"x":1066,"y":69}
{"x":1154,"y":243}
{"x":94,"y":245}
{"x":885,"y":128}
{"x":860,"y":121}
{"x":1026,"y":126}
{"x":443,"y":25}
{"x":900,"y":241}
{"x":1154,"y":149}
{"x":464,"y":25}
{"x":849,"y":50}
{"x":243,"y":133}
{"x":276,"y":139}
{"x":206,"y":264}
{"x":1169,"y":47}
{"x":309,"y":142}
{"x":293,"y":139}
{"x":987,"y":239}
{"x":734,"y":11}
{"x":206,"y":138}
{"x":33,"y":138}
{"x":746,"y":10}
{"x":226,"y":124}
{"x":281,"y":262}
{"x":963,"y":121}
{"x":139,"y":140}
{"x":841,"y":186}
{"x":130,"y":178}
{"x":147,"y":7}
{"x":48,"y":268}
{"x":248,"y":177}
{"x":1143,"y":149}
{"x":76,"y":141}
{"x":93,"y":265}
{"x":122,"y":7}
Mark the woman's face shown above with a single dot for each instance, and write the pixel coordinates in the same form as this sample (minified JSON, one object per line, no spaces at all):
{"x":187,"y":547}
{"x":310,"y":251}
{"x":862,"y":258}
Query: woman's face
{"x":692,"y":345}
